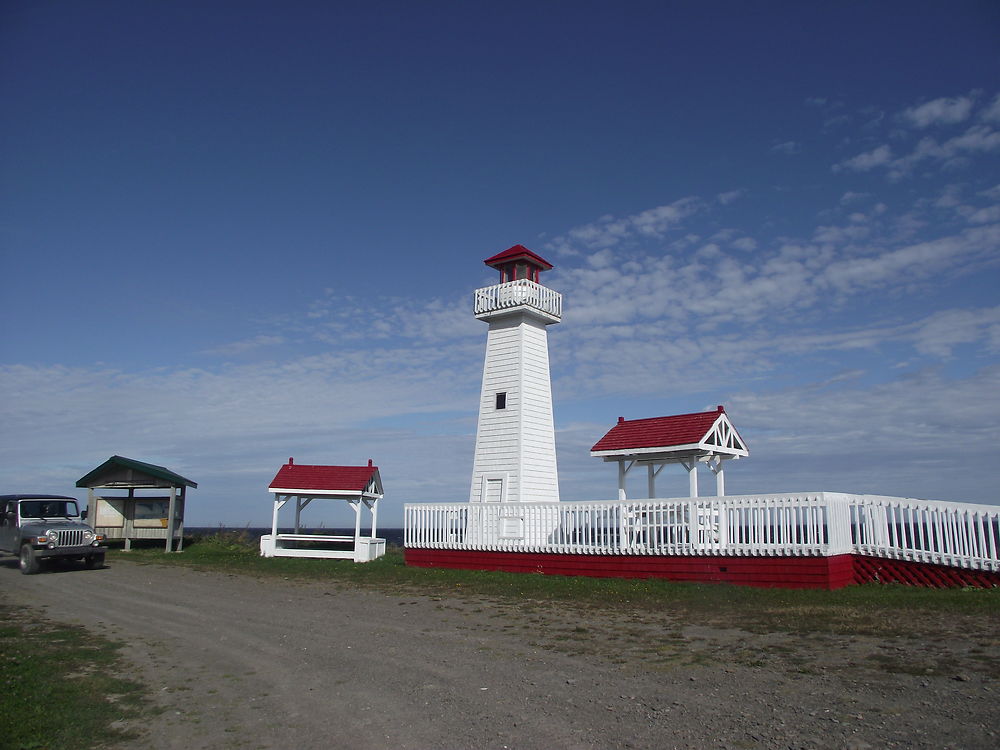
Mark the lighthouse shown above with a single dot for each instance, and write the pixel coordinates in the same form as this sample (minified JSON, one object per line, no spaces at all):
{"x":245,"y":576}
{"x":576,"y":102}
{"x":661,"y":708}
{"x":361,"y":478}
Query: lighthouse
{"x":515,"y":458}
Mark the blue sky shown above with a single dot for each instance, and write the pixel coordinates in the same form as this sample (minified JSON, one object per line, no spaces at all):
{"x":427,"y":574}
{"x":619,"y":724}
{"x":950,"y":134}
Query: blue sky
{"x":235,"y":232}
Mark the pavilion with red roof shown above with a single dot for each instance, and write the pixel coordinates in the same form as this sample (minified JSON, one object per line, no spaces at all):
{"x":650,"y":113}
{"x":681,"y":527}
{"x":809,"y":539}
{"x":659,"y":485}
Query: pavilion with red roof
{"x":356,"y":485}
{"x":686,"y":439}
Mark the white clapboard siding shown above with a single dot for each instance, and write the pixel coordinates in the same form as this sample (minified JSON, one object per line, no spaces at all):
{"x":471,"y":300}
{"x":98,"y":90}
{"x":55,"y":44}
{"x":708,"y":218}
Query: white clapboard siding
{"x":516,"y":444}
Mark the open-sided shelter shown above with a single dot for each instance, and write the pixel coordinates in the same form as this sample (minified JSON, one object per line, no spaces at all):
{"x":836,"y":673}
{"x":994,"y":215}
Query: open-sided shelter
{"x":151,"y":514}
{"x":686,"y":439}
{"x":358,"y":486}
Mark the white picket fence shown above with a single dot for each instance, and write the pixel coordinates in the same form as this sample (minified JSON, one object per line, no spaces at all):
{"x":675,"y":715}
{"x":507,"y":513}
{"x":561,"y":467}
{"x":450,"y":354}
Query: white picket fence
{"x":816,"y":523}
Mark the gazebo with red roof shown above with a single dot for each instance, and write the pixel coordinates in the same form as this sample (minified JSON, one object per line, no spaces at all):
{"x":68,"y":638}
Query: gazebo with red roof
{"x":357,"y":485}
{"x":686,"y":439}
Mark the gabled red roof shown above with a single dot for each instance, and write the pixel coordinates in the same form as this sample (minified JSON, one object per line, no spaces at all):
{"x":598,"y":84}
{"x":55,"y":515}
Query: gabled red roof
{"x":658,"y":432}
{"x":293,"y":476}
{"x":518,"y":252}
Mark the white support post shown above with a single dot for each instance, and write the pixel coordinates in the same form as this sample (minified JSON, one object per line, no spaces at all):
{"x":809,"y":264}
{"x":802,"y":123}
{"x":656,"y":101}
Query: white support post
{"x":692,"y":467}
{"x":374,"y":507}
{"x":623,"y":471}
{"x":356,"y":504}
{"x":298,"y":514}
{"x":650,"y":481}
{"x":717,"y":465}
{"x":278,"y":502}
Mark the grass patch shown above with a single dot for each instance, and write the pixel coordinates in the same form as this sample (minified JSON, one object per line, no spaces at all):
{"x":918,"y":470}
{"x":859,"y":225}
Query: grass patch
{"x":58,"y":687}
{"x":872,"y":609}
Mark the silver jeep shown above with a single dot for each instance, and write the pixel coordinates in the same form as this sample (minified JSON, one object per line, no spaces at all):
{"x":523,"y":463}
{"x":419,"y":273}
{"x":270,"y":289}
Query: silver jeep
{"x":47,"y":527}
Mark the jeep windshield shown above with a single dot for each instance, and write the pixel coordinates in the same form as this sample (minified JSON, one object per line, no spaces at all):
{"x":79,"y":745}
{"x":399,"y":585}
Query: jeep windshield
{"x":49,"y":509}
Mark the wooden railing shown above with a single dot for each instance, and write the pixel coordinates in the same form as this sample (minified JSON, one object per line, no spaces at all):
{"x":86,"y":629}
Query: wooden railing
{"x":958,"y":534}
{"x":821,"y":523}
{"x":511,"y":294}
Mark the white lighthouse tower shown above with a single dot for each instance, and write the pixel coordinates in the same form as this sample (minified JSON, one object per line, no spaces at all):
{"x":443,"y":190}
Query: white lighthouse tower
{"x":515,"y":441}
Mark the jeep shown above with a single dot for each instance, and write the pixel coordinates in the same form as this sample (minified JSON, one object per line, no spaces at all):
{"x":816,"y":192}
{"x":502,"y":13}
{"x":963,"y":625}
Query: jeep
{"x":40,"y":528}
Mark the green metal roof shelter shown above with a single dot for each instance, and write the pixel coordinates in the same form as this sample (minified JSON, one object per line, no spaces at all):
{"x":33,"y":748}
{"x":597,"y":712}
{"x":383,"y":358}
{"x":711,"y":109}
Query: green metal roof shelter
{"x":135,"y":516}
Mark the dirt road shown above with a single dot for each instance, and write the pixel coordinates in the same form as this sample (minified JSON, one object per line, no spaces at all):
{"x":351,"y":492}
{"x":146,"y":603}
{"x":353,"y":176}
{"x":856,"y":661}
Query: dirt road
{"x":242,"y":663}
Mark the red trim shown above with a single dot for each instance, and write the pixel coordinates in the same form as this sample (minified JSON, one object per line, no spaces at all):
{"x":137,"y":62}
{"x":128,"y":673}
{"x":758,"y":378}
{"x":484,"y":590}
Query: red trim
{"x":766,"y":572}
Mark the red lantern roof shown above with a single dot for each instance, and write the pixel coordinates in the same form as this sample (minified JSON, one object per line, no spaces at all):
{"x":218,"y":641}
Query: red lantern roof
{"x":518,"y":252}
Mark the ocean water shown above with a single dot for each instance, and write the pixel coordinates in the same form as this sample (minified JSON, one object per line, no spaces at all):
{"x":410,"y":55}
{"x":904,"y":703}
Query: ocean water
{"x":391,"y":536}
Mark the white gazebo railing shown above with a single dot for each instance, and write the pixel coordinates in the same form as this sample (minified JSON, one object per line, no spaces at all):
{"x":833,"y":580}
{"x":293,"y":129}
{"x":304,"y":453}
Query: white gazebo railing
{"x":492,"y":299}
{"x":820,"y":523}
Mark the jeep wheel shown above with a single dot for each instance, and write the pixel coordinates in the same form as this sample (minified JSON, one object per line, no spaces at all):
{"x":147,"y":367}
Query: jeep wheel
{"x":94,"y":561}
{"x":29,"y":561}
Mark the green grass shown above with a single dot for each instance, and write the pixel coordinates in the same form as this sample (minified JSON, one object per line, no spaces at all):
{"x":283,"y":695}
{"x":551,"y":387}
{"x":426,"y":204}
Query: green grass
{"x":870,"y":609}
{"x":58,"y":687}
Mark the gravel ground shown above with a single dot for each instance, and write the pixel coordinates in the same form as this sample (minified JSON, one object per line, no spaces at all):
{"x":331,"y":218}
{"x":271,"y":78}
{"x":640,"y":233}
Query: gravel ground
{"x":236,"y":662}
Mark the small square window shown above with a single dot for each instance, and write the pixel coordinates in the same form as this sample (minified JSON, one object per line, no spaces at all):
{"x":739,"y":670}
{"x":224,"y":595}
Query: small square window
{"x":502,"y":400}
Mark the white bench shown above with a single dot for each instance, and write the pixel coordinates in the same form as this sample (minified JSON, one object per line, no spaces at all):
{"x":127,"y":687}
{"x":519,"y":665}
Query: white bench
{"x":364,"y":548}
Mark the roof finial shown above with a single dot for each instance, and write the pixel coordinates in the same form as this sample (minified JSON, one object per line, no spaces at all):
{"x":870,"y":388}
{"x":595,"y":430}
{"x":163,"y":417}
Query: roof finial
{"x":291,"y":460}
{"x":621,"y":419}
{"x":722,"y":408}
{"x":369,"y":463}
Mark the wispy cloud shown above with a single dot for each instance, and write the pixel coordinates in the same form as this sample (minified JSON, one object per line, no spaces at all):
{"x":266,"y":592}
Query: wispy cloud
{"x":246,"y":345}
{"x":787,"y":147}
{"x":943,"y":111}
{"x":610,"y":231}
{"x":876,"y":157}
{"x":953,"y":152}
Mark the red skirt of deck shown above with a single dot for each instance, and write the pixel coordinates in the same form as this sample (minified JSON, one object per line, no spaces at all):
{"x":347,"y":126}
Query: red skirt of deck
{"x":816,"y":572}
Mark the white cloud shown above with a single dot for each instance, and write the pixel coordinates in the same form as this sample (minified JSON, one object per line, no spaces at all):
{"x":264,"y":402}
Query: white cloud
{"x":877,"y":157}
{"x":992,"y":193}
{"x":913,"y":262}
{"x":944,"y":111}
{"x":902,"y":437}
{"x":787,"y":147}
{"x":853,"y":197}
{"x":940,"y":333}
{"x":726,"y":198}
{"x":991,"y":113}
{"x":246,"y":345}
{"x":609,"y":231}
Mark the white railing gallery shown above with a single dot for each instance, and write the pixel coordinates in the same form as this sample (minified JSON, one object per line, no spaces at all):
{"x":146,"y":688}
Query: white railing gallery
{"x":820,"y":523}
{"x":515,"y":293}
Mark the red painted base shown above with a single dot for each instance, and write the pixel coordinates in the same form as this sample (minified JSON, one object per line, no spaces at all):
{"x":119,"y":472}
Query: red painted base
{"x":880,"y":570}
{"x":784,"y":572}
{"x":769,"y":572}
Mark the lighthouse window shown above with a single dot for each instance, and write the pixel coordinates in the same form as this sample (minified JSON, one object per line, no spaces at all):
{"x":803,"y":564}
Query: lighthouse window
{"x":502,"y":400}
{"x":521,"y":271}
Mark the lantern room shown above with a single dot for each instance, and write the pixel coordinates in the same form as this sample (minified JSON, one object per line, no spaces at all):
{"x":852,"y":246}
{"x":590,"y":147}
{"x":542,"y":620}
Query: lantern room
{"x":518,"y":262}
